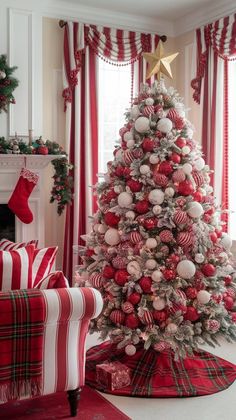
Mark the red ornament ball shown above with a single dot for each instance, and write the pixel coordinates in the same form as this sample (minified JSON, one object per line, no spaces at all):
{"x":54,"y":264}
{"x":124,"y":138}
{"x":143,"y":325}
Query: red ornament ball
{"x":165,"y":168}
{"x":197,"y":196}
{"x":208,"y":270}
{"x":180,"y":142}
{"x":175,"y":157}
{"x":145,"y":284}
{"x":169,"y":274}
{"x":160,"y":179}
{"x":42,"y":150}
{"x":148,"y":144}
{"x":108,"y":272}
{"x":134,"y":298}
{"x":127,"y":307}
{"x":160,"y":316}
{"x":191,"y":292}
{"x":131,"y":321}
{"x":119,"y":170}
{"x":117,"y":317}
{"x":111,"y":219}
{"x":121,"y":277}
{"x":134,"y":185}
{"x":185,"y":187}
{"x":142,"y":206}
{"x":213,"y":237}
{"x":191,"y":314}
{"x":126,"y":172}
{"x":150,"y":223}
{"x":229,"y":303}
{"x":228,"y":280}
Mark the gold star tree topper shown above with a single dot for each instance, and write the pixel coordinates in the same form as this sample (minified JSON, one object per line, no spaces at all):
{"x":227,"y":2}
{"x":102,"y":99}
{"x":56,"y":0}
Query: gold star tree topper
{"x":158,"y":63}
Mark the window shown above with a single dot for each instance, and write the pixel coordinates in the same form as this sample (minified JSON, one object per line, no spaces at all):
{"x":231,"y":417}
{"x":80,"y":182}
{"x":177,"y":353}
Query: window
{"x":232,"y":148}
{"x":114,"y":98}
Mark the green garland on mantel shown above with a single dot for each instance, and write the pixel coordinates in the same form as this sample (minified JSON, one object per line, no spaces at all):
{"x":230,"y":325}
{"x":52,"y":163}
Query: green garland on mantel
{"x":62,"y":190}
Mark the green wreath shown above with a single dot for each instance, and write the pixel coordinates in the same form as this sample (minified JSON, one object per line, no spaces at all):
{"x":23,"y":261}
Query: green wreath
{"x":7,"y":84}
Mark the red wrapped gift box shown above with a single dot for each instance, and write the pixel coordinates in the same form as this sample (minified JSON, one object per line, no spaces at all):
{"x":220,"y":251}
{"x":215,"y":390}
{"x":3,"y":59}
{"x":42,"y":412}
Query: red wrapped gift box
{"x":113,"y":375}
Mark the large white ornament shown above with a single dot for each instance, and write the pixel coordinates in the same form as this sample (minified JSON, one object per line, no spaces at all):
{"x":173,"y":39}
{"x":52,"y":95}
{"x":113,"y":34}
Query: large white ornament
{"x":171,"y":328}
{"x":203,"y":297}
{"x":130,"y":214}
{"x":156,"y":196}
{"x":144,"y":169}
{"x":187,"y":168}
{"x":118,"y":189}
{"x":154,"y":159}
{"x":125,"y":199}
{"x":195,"y":210}
{"x":151,"y":243}
{"x":159,"y":303}
{"x":133,"y":267}
{"x":164,"y":125}
{"x":130,"y":143}
{"x":112,"y":236}
{"x":102,"y":228}
{"x":199,"y":164}
{"x":149,"y":101}
{"x":186,"y":269}
{"x":130,"y":350}
{"x":142,"y":125}
{"x":157,"y":210}
{"x":226,"y":241}
{"x":150,"y":264}
{"x":157,"y":276}
{"x":169,"y":192}
{"x":128,"y":136}
{"x":199,"y":258}
{"x":134,"y":112}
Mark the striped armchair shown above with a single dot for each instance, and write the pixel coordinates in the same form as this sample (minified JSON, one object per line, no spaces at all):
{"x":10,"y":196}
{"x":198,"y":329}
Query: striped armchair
{"x":42,"y":336}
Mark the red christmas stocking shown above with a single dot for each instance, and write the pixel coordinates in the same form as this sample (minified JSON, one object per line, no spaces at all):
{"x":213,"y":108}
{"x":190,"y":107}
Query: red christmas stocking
{"x":18,"y":202}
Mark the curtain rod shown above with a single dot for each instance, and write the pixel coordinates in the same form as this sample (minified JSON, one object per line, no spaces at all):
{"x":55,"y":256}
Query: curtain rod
{"x":63,"y":23}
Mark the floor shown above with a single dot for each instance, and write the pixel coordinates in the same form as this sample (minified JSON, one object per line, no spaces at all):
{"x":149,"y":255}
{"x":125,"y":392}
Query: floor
{"x":220,"y":406}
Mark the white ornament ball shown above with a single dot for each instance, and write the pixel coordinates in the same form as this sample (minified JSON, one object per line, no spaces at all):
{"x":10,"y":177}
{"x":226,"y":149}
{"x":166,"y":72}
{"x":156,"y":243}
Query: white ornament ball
{"x":157,"y":209}
{"x":156,"y":196}
{"x":226,"y":241}
{"x":128,"y":136}
{"x":159,"y":303}
{"x":150,"y":264}
{"x":142,"y":125}
{"x":164,"y":125}
{"x":149,"y":101}
{"x":203,"y":297}
{"x":186,"y":269}
{"x":154,"y":159}
{"x":199,"y":258}
{"x":130,"y":144}
{"x":169,"y":192}
{"x":2,"y":74}
{"x":151,"y":243}
{"x":134,"y":112}
{"x":95,"y":227}
{"x":130,"y":215}
{"x":144,"y":169}
{"x":133,"y":267}
{"x":171,"y":328}
{"x":130,"y":350}
{"x":185,"y":150}
{"x":199,"y":164}
{"x":195,"y":210}
{"x":157,"y":276}
{"x":118,"y":189}
{"x":187,"y":168}
{"x":102,"y":228}
{"x":125,"y":199}
{"x":112,"y":236}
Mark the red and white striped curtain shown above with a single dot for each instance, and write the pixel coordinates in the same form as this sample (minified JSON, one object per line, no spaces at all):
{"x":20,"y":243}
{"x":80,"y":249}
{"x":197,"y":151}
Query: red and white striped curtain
{"x":215,"y":46}
{"x":83,"y":44}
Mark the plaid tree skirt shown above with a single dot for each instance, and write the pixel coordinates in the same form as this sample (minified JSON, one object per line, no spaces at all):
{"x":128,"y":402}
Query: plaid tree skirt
{"x":158,"y":375}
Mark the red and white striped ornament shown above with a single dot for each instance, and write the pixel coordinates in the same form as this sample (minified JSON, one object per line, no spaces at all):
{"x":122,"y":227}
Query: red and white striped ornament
{"x":180,"y":217}
{"x":175,"y":307}
{"x":119,"y":262}
{"x":128,"y":157}
{"x":135,"y":237}
{"x":198,"y":178}
{"x":148,"y":110}
{"x":96,"y":280}
{"x":178,"y":175}
{"x":117,"y":316}
{"x":181,"y":295}
{"x":127,"y":307}
{"x":166,"y":236}
{"x":184,"y":239}
{"x":179,"y":123}
{"x":160,"y":179}
{"x":172,"y":114}
{"x":147,"y":318}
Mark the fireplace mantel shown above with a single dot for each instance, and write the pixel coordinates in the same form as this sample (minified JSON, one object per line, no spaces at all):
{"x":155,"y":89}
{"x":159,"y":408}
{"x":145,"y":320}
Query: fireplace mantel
{"x":14,"y":161}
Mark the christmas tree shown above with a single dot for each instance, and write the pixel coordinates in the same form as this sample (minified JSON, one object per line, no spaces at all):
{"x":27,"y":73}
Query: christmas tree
{"x":157,"y":251}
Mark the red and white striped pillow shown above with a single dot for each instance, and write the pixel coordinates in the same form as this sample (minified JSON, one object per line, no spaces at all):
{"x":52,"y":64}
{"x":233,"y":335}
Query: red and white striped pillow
{"x":7,"y":245}
{"x":16,"y":268}
{"x":44,"y":260}
{"x":55,"y":280}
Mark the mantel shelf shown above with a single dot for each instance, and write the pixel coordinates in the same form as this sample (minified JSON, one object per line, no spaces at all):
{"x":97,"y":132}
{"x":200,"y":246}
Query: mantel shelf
{"x":29,"y":161}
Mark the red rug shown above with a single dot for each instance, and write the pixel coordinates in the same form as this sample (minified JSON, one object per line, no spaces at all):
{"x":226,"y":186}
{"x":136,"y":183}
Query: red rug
{"x":92,"y":406}
{"x":156,"y":374}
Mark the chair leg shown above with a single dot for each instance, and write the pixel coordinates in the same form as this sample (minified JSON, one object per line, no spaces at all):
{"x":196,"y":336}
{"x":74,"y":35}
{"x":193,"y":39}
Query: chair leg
{"x":73,"y":398}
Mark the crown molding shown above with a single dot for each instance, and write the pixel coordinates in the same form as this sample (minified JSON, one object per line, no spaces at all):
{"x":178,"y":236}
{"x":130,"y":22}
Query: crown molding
{"x":209,"y":13}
